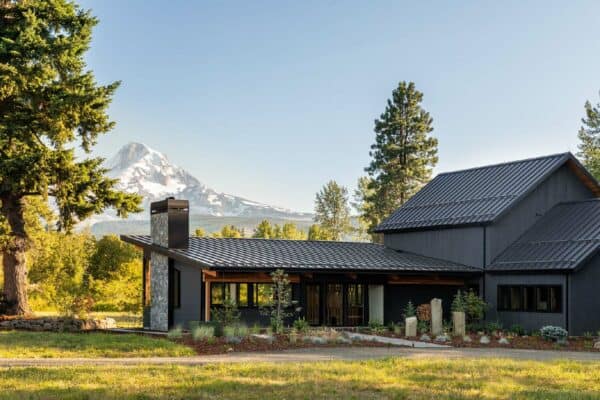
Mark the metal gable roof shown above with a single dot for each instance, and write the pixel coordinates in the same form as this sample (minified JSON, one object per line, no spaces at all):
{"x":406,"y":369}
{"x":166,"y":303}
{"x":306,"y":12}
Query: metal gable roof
{"x":562,"y":239}
{"x":476,"y":195}
{"x":226,"y":253}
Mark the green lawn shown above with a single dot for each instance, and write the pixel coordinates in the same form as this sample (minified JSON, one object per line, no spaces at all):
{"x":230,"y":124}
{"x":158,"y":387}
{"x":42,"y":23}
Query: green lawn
{"x":392,"y":378}
{"x":22,"y":344}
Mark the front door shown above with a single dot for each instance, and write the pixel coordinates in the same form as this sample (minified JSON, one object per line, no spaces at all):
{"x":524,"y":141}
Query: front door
{"x":334,"y":304}
{"x":313,"y":305}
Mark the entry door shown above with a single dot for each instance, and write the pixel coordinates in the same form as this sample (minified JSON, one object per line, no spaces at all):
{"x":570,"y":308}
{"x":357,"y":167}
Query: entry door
{"x":334,"y":304}
{"x":313,"y":305}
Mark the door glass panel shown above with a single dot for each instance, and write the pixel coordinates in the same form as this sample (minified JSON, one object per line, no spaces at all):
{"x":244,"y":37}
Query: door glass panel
{"x":312,"y":304}
{"x":355,"y":304}
{"x":334,"y":304}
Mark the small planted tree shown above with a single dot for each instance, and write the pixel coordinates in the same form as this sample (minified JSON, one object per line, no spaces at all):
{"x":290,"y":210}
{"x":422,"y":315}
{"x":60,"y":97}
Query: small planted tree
{"x":409,"y":310}
{"x":228,"y":314}
{"x":280,"y":294}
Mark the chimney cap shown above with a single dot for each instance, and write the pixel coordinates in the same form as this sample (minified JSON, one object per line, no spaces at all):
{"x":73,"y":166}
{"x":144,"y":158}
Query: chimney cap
{"x":170,"y":203}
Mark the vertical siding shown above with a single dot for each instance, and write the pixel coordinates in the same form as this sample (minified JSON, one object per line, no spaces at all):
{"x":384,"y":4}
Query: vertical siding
{"x":561,"y":186}
{"x":528,"y":320}
{"x":584,"y":313}
{"x":191,"y":295}
{"x":461,"y":245}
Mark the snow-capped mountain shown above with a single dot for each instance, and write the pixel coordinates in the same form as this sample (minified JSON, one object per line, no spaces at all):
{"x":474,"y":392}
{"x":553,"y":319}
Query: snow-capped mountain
{"x":149,"y":173}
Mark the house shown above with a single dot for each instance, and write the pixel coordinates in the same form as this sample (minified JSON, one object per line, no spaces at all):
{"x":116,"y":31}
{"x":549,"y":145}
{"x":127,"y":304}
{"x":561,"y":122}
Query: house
{"x":523,"y":234}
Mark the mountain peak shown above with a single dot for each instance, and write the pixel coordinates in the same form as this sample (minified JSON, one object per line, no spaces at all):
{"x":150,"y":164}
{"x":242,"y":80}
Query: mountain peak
{"x":150,"y":174}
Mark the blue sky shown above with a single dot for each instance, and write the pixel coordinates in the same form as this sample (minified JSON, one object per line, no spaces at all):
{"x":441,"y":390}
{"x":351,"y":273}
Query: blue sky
{"x":269,"y":100}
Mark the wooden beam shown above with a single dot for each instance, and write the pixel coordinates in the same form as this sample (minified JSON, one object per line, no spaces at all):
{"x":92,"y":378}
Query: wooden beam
{"x":412,"y":280}
{"x":206,"y":301}
{"x":256,"y":277}
{"x":209,"y":273}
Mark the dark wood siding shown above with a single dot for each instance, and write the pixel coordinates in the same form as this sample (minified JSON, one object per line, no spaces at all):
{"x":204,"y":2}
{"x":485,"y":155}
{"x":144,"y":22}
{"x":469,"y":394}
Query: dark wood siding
{"x":528,"y":320}
{"x":584,"y":311}
{"x":191,"y":295}
{"x":561,"y":186}
{"x":461,"y":245}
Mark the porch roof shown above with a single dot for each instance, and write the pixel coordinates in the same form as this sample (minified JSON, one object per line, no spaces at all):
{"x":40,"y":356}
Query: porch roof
{"x":234,"y":254}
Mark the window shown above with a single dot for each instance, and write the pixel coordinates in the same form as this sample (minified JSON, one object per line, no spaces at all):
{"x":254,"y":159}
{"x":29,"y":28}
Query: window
{"x":262,"y":294}
{"x":541,"y":298}
{"x":242,"y":294}
{"x":218,"y":293}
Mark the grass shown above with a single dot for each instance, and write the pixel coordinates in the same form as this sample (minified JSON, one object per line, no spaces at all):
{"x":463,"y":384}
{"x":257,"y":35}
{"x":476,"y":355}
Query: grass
{"x":123,"y":319}
{"x":392,"y":378}
{"x":22,"y":344}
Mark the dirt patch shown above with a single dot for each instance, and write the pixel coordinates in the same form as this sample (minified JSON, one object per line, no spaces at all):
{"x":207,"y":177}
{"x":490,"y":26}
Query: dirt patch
{"x":219,"y":345}
{"x":530,"y":343}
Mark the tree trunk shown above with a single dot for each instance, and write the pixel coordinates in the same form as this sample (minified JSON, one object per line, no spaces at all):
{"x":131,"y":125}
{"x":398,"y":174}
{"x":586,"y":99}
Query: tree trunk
{"x":13,"y":257}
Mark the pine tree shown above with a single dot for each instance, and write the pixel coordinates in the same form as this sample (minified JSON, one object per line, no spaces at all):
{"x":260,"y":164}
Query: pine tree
{"x":403,"y":154}
{"x":49,"y":103}
{"x":589,"y":135}
{"x":332,"y":212}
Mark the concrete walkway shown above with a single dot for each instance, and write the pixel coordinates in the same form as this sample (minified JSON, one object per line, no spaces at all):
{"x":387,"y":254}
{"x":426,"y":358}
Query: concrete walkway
{"x":313,"y":355}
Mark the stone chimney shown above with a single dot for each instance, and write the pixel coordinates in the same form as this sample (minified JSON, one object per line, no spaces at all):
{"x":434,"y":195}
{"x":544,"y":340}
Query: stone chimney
{"x":170,"y":223}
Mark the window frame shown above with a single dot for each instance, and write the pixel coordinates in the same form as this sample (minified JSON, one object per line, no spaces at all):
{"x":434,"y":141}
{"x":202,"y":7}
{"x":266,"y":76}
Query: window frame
{"x":525,"y":295}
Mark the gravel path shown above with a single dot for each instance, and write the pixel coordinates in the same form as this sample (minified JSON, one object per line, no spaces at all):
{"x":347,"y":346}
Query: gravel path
{"x":312,"y":355}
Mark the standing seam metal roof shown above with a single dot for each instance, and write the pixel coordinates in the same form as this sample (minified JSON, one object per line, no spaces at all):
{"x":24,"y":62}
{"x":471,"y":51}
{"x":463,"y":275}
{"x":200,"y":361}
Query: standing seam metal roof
{"x":223,"y":253}
{"x":473,"y":196}
{"x":562,"y":239}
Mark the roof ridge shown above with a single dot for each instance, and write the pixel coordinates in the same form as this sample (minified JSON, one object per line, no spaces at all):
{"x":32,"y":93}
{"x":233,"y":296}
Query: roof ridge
{"x":284,"y":240}
{"x":564,"y":154}
{"x":590,"y":200}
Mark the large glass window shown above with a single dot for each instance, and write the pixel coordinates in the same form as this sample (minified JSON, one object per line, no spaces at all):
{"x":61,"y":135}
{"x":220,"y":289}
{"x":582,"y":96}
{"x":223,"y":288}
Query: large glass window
{"x":540,"y":298}
{"x":355,"y":304}
{"x":218,"y":293}
{"x":262,"y":294}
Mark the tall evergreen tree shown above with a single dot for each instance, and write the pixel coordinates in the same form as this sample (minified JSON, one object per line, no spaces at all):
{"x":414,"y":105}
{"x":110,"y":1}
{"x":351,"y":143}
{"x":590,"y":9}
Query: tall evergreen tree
{"x":589,"y":135}
{"x":332,"y":212}
{"x":49,"y":103}
{"x":403,"y":154}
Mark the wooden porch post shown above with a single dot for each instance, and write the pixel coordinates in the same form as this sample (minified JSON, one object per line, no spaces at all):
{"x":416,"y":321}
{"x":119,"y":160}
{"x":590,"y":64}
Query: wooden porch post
{"x":207,"y":301}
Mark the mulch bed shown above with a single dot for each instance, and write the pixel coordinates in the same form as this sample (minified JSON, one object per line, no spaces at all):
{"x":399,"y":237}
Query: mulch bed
{"x":219,"y":345}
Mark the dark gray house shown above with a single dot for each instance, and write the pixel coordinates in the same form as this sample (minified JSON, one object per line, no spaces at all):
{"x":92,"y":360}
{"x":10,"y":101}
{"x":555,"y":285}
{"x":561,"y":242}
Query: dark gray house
{"x":524,"y":234}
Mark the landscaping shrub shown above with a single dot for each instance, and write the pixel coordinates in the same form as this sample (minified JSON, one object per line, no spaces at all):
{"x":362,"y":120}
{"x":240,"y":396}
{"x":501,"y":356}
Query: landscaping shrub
{"x":409,"y":310}
{"x":458,"y":303}
{"x":474,"y":306}
{"x":203,"y":332}
{"x":493,"y":326}
{"x":175,"y":333}
{"x":301,"y":325}
{"x":376,"y":328}
{"x":517,"y":330}
{"x":229,"y":331}
{"x":424,"y":312}
{"x":255,"y":329}
{"x":423,"y":326}
{"x":227,"y":314}
{"x":241,"y":330}
{"x":555,"y":333}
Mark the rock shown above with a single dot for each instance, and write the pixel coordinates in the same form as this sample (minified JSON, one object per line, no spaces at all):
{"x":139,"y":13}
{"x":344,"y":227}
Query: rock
{"x":597,"y":345}
{"x":467,"y":339}
{"x":110,"y":323}
{"x":458,"y":323}
{"x":436,"y":317}
{"x":229,"y":349}
{"x":442,"y":339}
{"x":484,"y":340}
{"x":314,"y":339}
{"x":233,"y":340}
{"x":411,"y":326}
{"x":425,"y":338}
{"x":342,"y":340}
{"x":503,"y":341}
{"x":266,"y":338}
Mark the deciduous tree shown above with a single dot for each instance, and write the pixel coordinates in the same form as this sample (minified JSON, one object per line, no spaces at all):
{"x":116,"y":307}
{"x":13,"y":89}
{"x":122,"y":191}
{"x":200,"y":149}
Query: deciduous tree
{"x":49,"y":103}
{"x":332,"y":211}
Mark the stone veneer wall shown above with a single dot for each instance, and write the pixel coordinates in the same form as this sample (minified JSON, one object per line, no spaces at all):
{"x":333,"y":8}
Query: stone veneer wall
{"x":159,"y":274}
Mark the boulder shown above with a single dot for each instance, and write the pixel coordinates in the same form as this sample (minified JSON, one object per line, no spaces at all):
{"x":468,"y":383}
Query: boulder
{"x":266,"y":338}
{"x":597,"y":345}
{"x":442,"y":339}
{"x":503,"y":341}
{"x":314,"y":339}
{"x":436,"y":317}
{"x":458,"y":323}
{"x":425,"y":338}
{"x":342,"y":340}
{"x":411,"y":326}
{"x":484,"y":340}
